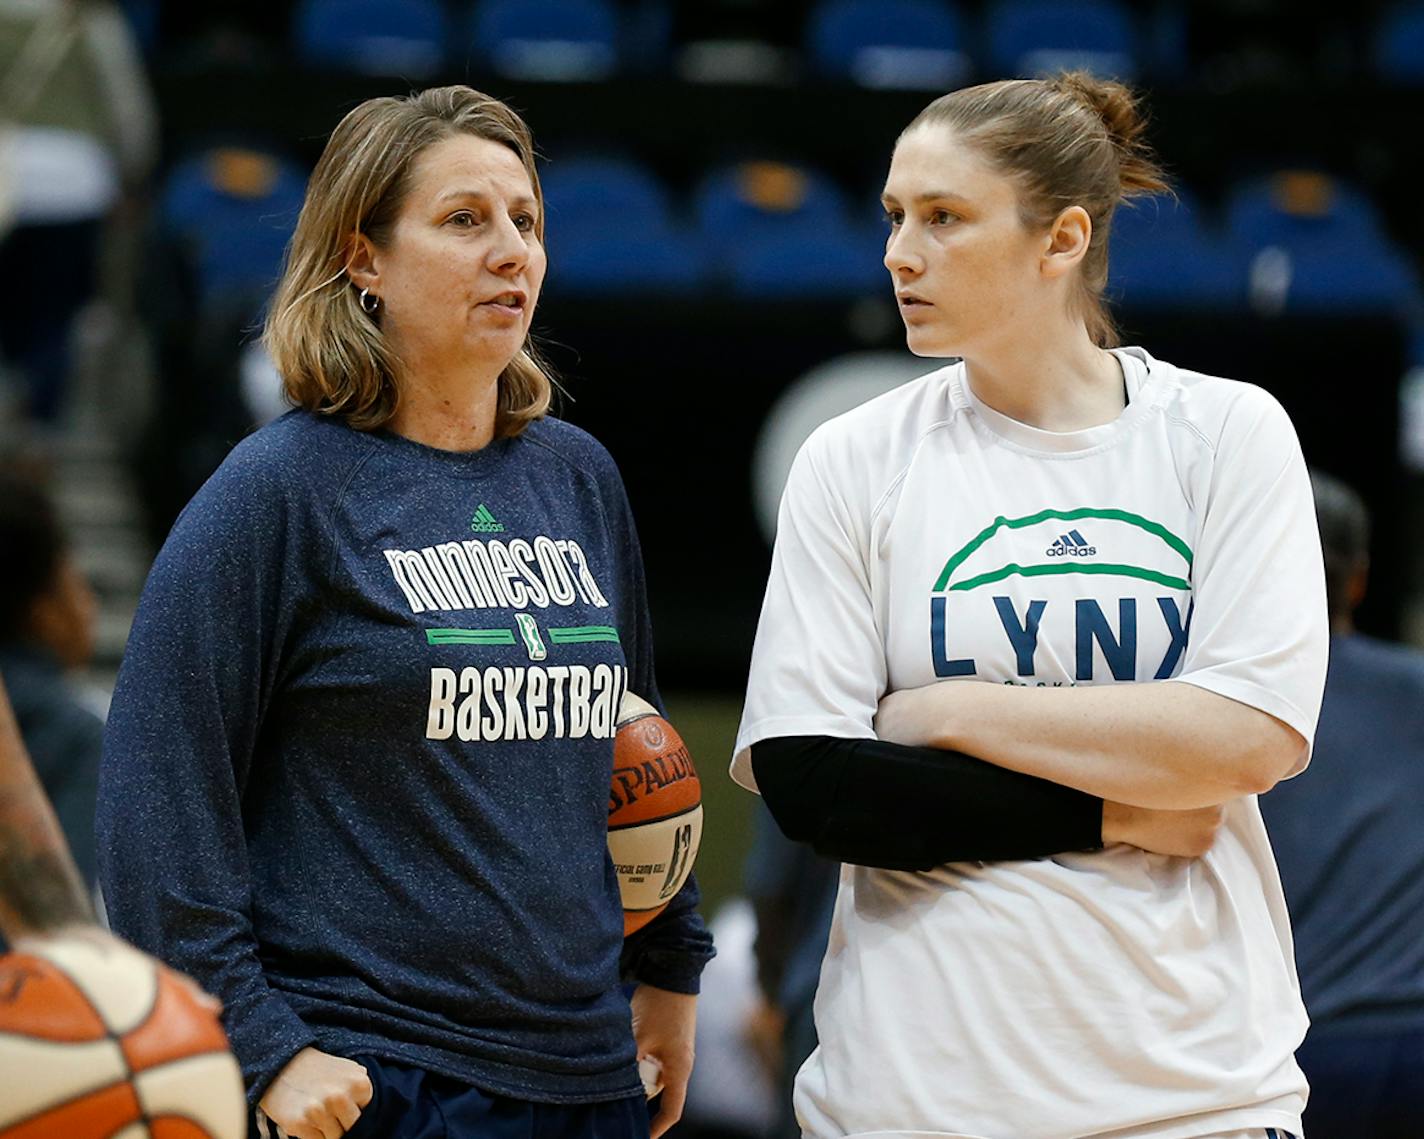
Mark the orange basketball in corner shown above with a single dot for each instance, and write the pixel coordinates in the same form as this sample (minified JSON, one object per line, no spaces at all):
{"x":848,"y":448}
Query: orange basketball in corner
{"x":654,"y":812}
{"x":98,"y":1042}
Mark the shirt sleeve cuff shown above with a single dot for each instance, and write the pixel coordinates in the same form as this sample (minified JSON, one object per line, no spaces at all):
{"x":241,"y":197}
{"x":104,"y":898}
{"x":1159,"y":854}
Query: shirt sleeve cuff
{"x":264,"y":1039}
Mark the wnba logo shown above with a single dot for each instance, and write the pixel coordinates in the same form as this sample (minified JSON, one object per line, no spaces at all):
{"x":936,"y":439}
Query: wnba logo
{"x":681,"y":852}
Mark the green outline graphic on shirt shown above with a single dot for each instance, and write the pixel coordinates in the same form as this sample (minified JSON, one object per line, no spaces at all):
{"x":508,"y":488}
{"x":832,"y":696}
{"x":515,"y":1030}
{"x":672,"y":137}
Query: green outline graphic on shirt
{"x":469,"y":637}
{"x":583,"y":634}
{"x":1156,"y":529}
{"x":528,"y":631}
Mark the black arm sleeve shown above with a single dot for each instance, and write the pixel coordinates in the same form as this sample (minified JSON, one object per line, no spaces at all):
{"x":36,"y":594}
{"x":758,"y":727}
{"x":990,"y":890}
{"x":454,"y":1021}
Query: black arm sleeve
{"x":910,"y":808}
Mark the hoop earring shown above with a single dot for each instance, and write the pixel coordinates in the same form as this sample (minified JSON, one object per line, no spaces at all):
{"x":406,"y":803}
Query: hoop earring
{"x":369,"y":309}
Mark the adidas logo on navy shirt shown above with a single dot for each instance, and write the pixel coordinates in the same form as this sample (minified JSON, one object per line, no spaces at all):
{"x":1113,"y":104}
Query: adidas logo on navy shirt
{"x":1070,"y":543}
{"x":485,"y":523}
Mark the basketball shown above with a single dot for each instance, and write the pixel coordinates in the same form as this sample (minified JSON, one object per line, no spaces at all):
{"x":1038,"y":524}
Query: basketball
{"x":654,"y":812}
{"x":97,"y":1042}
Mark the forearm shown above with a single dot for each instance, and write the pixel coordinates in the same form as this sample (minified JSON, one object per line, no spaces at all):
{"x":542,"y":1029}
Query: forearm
{"x":40,"y":888}
{"x":874,"y":803}
{"x":1167,"y":745}
{"x":671,"y":951}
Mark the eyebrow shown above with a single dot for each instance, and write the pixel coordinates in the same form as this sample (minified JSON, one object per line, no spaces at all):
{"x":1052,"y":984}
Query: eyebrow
{"x":483,"y":195}
{"x":931,"y":196}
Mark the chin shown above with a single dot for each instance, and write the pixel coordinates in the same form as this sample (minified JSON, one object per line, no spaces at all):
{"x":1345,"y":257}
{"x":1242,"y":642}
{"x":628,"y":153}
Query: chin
{"x":922,"y":342}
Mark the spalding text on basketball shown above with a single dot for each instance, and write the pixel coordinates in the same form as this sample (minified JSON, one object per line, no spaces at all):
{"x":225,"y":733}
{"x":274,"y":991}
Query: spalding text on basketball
{"x":633,"y":782}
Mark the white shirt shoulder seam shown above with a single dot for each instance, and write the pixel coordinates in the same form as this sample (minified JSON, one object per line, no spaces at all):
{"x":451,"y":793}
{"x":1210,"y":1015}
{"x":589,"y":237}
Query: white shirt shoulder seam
{"x":1195,"y":429}
{"x":905,"y":469}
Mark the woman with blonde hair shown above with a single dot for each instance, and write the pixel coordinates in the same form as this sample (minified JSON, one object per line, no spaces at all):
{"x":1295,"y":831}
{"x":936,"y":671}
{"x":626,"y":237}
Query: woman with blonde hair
{"x":1037,"y":624}
{"x":356,"y":772}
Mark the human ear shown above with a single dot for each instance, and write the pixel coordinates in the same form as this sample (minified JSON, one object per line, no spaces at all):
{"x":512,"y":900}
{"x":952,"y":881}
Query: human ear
{"x":361,"y":265}
{"x":1068,"y":239}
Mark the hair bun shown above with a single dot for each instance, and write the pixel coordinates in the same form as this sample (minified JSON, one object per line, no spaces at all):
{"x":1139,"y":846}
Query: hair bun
{"x":1116,"y":105}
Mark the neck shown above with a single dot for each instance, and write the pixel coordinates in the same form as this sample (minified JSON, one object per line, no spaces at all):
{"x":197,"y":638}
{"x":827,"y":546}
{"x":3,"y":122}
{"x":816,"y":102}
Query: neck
{"x":451,"y":408}
{"x":1053,"y":378}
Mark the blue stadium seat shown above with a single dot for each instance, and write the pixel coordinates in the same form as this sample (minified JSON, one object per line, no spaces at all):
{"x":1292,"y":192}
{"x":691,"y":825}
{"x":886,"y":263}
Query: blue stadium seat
{"x":603,"y":193}
{"x":1036,"y":37}
{"x":1297,"y":206}
{"x":551,"y":40}
{"x":1178,"y":273}
{"x":610,"y":229}
{"x":1164,"y":256}
{"x":751,"y":201}
{"x":234,"y":210}
{"x":907,"y":44}
{"x":1318,"y":246}
{"x":373,"y":37}
{"x":1399,"y":45}
{"x":591,"y":263}
{"x":807,"y":264}
{"x":1350,"y":277}
{"x":1143,"y":220}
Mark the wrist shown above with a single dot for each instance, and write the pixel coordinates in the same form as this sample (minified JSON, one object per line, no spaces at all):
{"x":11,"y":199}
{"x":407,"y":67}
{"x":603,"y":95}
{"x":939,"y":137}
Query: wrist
{"x":911,"y":718}
{"x":1117,"y":821}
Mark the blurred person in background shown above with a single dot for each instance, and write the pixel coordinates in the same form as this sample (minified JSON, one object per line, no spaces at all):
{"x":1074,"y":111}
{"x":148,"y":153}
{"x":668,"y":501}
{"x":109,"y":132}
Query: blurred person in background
{"x":366,"y":818}
{"x":732,"y":1091}
{"x":78,"y":128}
{"x":47,"y":627}
{"x":1349,"y":842}
{"x":43,"y":900}
{"x":793,"y":894}
{"x":41,"y":892}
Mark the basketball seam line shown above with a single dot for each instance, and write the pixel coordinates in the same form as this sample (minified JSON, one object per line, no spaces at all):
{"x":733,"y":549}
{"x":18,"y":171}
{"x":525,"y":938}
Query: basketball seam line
{"x":124,"y":1056}
{"x":659,"y":819}
{"x":63,"y":1103}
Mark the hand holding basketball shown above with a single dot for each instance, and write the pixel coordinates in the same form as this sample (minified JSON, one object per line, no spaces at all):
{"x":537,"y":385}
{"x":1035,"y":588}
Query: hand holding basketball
{"x":664,"y":1027}
{"x":317,"y":1095}
{"x":654,"y":812}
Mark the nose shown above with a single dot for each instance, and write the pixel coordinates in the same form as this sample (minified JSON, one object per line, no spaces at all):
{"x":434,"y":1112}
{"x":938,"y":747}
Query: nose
{"x":901,"y":256}
{"x":509,"y":252}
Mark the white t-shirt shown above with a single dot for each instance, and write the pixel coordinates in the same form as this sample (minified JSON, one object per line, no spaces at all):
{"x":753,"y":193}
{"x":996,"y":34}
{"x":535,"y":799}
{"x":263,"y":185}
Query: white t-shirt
{"x":924,"y":536}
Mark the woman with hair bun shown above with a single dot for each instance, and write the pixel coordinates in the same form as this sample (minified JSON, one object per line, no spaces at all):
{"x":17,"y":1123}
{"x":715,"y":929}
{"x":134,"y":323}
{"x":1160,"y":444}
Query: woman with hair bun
{"x":1039,"y":627}
{"x":356,"y":771}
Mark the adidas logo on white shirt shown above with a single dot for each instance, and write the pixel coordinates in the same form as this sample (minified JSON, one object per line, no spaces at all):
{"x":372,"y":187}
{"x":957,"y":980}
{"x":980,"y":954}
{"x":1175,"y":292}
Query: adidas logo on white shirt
{"x":1070,"y":543}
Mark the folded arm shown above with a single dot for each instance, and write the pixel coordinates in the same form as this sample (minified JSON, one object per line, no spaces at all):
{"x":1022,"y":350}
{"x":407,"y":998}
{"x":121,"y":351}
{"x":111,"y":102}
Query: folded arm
{"x":1169,"y":745}
{"x":873,"y":803}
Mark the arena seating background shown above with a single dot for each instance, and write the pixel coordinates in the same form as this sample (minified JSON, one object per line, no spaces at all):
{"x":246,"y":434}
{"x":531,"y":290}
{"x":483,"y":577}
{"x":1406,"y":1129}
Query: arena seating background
{"x":711,"y":175}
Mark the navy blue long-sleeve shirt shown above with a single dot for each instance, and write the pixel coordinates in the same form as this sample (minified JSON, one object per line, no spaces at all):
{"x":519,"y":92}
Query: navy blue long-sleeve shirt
{"x":357,"y":765}
{"x":1350,"y":849}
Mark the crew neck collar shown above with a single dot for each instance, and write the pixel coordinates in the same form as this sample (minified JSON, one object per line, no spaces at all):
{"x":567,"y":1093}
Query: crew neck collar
{"x":1138,"y":370}
{"x":459,"y":462}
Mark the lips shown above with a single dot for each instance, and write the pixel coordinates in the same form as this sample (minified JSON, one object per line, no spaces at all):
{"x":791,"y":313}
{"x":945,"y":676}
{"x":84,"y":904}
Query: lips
{"x":513,"y":299}
{"x":908,"y":300}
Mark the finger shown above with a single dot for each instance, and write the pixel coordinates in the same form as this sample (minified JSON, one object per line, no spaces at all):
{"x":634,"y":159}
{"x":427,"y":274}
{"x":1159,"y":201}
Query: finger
{"x":327,"y":1129}
{"x":347,"y":1113}
{"x":670,"y":1110}
{"x":364,"y":1089}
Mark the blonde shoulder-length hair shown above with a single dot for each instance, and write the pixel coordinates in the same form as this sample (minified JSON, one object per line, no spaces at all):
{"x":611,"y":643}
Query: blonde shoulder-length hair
{"x":331,"y":354}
